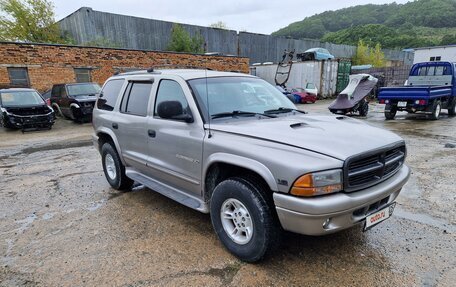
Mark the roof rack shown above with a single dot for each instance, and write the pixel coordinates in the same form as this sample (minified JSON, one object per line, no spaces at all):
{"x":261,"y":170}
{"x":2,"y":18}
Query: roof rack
{"x":153,"y":69}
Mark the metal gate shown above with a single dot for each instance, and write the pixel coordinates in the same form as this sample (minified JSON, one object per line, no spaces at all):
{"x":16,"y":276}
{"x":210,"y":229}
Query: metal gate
{"x":343,"y":73}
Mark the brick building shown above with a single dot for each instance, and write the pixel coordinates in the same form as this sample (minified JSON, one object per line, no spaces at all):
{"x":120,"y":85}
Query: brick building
{"x":41,"y":65}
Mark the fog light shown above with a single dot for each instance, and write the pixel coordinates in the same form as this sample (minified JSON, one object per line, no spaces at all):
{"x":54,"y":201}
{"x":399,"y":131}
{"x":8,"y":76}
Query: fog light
{"x":417,"y":102}
{"x":326,"y":223}
{"x":387,"y":101}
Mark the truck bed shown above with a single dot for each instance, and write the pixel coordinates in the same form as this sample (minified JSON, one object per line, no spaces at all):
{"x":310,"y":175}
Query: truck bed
{"x":414,"y":92}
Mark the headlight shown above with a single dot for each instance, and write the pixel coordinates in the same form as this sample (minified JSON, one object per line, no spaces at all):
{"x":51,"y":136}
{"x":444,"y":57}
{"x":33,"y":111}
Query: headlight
{"x":318,"y":183}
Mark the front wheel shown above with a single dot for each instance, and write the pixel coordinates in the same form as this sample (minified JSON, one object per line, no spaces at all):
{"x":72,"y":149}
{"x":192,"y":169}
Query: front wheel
{"x":390,"y":112}
{"x":113,"y":168}
{"x":243,"y":219}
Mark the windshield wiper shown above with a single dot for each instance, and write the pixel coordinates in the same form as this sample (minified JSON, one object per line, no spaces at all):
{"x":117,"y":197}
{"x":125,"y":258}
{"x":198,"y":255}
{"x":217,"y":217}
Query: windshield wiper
{"x":238,"y":113}
{"x":283,"y":110}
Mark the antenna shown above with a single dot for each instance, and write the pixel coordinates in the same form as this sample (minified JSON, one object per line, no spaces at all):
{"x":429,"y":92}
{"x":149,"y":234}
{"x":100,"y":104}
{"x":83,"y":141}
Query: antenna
{"x":207,"y":102}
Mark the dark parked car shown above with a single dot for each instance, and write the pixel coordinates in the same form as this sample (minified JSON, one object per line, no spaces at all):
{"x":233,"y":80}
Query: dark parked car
{"x":24,"y":109}
{"x":75,"y":101}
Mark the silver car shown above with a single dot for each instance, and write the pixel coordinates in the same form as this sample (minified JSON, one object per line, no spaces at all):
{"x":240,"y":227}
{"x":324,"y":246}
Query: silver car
{"x":232,"y":145}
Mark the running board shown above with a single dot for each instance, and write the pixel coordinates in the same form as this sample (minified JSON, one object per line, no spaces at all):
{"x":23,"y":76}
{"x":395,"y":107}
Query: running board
{"x":168,"y":191}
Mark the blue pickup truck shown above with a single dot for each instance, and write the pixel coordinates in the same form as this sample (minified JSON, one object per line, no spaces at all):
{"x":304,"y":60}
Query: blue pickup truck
{"x":431,"y":87}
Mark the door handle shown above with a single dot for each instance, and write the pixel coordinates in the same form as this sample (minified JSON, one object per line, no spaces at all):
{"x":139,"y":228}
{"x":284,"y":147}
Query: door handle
{"x":115,"y":126}
{"x":151,"y":133}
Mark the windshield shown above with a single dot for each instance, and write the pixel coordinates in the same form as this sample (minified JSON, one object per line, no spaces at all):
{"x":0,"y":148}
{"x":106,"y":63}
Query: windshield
{"x":228,"y":94}
{"x":21,"y":98}
{"x":83,"y":89}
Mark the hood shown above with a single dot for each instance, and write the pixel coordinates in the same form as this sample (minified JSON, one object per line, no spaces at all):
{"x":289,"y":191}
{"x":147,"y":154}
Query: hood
{"x":339,"y":137}
{"x":85,"y":98}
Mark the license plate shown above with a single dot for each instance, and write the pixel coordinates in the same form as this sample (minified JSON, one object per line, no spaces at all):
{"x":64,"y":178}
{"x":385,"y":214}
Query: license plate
{"x":402,"y":104}
{"x":379,"y":216}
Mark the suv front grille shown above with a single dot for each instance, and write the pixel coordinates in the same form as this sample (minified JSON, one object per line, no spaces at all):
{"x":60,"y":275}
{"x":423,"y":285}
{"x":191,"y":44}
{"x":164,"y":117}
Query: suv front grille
{"x":368,"y":169}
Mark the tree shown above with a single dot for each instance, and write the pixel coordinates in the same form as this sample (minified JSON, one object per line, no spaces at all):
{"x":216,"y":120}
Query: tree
{"x":219,"y":25}
{"x":366,"y":55}
{"x":29,"y":21}
{"x":377,"y":57}
{"x":181,"y":41}
{"x":362,"y":54}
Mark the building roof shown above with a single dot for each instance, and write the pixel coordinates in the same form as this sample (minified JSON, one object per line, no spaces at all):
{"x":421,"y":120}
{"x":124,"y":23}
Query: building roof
{"x":435,"y":47}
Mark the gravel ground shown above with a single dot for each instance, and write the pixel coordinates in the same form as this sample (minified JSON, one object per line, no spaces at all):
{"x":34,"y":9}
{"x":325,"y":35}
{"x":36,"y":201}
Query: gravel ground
{"x":62,"y":225}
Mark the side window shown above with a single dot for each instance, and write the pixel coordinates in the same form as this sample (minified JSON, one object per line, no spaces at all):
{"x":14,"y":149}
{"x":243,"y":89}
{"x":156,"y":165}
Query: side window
{"x":109,"y":95}
{"x":56,"y":91}
{"x":136,"y":98}
{"x":170,"y":90}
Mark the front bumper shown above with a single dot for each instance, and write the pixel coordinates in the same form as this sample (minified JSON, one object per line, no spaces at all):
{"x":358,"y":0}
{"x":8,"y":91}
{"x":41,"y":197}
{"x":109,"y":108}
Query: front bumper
{"x":331,"y":213}
{"x":31,"y":121}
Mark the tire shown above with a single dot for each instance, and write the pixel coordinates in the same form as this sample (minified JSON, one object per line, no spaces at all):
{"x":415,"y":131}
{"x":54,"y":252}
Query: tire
{"x":392,"y":112}
{"x":436,"y":109}
{"x":364,"y":109}
{"x":452,"y":108}
{"x":113,"y":168}
{"x":256,"y":214}
{"x":57,"y":111}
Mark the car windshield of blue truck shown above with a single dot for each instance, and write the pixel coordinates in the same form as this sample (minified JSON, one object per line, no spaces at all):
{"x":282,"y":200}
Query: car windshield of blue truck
{"x":83,"y":89}
{"x":228,"y":94}
{"x":20,"y":98}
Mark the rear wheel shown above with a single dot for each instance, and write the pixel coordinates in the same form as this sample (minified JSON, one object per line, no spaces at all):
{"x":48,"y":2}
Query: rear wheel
{"x":113,"y":168}
{"x":243,"y":219}
{"x":390,"y":112}
{"x":436,"y":110}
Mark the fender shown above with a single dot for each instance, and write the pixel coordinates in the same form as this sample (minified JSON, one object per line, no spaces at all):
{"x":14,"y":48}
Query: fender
{"x":244,"y":162}
{"x":74,"y":105}
{"x":104,"y":130}
{"x":57,"y":108}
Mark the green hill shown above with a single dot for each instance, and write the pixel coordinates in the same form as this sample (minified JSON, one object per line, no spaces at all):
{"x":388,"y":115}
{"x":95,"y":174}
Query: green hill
{"x":414,"y":24}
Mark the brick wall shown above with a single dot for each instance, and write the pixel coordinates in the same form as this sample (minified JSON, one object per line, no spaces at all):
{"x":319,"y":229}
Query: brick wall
{"x":51,"y":64}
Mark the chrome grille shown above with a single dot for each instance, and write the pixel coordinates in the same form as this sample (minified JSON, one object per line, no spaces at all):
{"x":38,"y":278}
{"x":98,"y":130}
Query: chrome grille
{"x":366,"y":170}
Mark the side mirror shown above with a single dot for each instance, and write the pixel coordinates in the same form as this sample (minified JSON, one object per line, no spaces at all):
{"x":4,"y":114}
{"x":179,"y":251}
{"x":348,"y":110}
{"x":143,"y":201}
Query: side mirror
{"x":173,"y":110}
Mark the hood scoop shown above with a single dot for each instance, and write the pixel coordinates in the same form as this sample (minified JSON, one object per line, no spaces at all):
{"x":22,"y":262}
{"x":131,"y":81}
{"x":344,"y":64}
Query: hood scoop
{"x":299,"y":125}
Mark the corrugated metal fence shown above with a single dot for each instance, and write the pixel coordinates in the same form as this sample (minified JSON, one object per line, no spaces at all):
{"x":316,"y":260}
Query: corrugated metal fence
{"x":87,"y":25}
{"x":323,"y":74}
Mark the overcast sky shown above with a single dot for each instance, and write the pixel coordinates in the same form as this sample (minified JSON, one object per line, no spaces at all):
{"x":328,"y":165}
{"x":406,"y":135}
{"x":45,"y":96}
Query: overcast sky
{"x":259,"y":16}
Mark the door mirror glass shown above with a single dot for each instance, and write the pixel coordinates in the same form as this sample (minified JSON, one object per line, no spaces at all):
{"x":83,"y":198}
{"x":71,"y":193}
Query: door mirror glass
{"x":173,"y":110}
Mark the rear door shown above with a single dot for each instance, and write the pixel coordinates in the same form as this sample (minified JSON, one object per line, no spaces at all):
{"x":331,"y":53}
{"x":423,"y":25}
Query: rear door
{"x":130,"y":124}
{"x":176,"y":147}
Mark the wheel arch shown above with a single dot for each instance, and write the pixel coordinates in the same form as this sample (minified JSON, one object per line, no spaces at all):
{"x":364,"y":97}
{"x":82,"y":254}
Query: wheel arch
{"x":221,"y":166}
{"x":106,"y":135}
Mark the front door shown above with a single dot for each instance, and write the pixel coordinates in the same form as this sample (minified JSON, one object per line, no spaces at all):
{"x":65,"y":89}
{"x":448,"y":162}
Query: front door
{"x":176,"y":147}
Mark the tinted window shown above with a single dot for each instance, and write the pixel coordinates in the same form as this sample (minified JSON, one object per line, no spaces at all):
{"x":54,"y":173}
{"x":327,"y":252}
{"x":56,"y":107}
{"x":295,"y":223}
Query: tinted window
{"x":83,"y":75}
{"x":171,"y":91}
{"x":109,"y":95}
{"x":58,"y":91}
{"x":18,"y":77}
{"x":83,"y":89}
{"x":136,"y":99}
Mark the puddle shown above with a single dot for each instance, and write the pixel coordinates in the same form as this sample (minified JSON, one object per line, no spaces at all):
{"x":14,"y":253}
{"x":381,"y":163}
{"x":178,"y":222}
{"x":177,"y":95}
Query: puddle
{"x":95,"y":205}
{"x":425,"y":219}
{"x":26,"y":222}
{"x":48,"y":215}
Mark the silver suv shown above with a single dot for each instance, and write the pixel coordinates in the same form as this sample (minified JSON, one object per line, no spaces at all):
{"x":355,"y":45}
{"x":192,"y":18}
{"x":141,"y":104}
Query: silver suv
{"x":233,"y":146}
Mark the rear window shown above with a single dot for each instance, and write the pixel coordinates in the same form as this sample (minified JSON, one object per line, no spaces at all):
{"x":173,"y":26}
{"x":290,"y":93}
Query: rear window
{"x":109,"y":95}
{"x":437,"y":69}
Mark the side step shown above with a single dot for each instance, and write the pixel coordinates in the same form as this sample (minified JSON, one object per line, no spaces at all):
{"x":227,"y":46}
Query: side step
{"x":168,"y":191}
